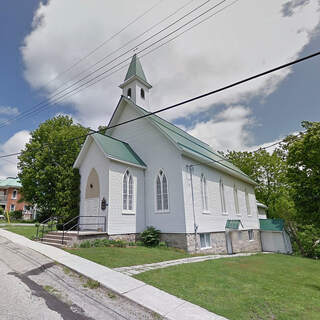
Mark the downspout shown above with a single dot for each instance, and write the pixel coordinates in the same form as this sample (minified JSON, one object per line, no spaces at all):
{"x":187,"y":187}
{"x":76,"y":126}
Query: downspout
{"x":193,"y":210}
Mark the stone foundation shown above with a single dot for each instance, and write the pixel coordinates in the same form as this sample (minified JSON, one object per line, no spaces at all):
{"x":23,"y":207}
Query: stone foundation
{"x":241,"y":242}
{"x":187,"y":241}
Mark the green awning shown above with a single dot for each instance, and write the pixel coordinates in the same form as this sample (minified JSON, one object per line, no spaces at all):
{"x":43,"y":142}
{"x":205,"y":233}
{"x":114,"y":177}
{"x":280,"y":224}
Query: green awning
{"x":233,"y":224}
{"x":271,"y":224}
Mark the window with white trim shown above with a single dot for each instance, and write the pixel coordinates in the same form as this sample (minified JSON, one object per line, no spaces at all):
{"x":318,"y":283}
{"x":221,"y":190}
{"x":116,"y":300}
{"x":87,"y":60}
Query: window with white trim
{"x":205,"y":240}
{"x":127,"y":192}
{"x":162,"y":197}
{"x":250,"y":235}
{"x":247,"y":203}
{"x":236,"y":199}
{"x":12,"y":207}
{"x":222,"y":197}
{"x":14,"y":194}
{"x":204,"y":196}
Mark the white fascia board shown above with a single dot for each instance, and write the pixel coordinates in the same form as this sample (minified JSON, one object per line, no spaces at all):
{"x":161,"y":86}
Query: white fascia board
{"x":83,"y":152}
{"x":219,"y":167}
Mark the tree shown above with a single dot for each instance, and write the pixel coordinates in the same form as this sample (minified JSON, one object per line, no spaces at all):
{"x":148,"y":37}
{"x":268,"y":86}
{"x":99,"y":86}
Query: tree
{"x":46,"y":168}
{"x":269,"y":171}
{"x":304,"y":172}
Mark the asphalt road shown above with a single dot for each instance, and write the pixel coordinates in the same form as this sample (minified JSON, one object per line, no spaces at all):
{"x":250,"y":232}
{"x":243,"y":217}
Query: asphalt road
{"x":33,"y":287}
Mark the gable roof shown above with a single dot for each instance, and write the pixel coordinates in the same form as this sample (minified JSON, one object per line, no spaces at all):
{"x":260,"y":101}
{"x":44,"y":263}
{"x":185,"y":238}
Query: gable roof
{"x":271,"y":224}
{"x":188,"y":144}
{"x":233,"y":224}
{"x":113,"y":149}
{"x":10,"y":183}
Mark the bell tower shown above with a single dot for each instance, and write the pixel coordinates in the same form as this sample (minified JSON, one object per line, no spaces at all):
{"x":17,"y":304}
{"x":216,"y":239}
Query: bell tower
{"x":135,"y":86}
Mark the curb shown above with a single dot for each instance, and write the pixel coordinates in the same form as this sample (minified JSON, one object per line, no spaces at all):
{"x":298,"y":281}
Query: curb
{"x":156,"y":300}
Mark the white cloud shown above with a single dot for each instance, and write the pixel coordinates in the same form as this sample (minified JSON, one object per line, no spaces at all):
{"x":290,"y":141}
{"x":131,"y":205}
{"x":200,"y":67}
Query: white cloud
{"x":8,"y":111}
{"x":229,"y":130}
{"x":247,"y":38}
{"x":8,"y":166}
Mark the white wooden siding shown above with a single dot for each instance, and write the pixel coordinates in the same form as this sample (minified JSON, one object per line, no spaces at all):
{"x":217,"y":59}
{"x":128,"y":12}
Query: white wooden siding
{"x":158,"y":153}
{"x":215,"y":220}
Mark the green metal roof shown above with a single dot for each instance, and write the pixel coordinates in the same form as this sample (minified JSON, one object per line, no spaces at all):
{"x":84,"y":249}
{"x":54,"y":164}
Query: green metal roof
{"x":271,"y":224}
{"x":233,"y":224}
{"x":10,"y":182}
{"x":189,"y":143}
{"x":135,"y":69}
{"x":117,"y":149}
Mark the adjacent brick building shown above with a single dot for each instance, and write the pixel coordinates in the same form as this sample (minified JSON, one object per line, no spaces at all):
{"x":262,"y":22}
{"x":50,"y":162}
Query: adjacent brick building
{"x":10,"y":197}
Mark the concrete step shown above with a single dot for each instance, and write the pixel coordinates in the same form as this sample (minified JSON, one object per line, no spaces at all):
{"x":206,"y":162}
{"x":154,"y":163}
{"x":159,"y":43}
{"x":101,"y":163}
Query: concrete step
{"x":53,"y":241}
{"x":55,"y":236}
{"x":53,"y":244}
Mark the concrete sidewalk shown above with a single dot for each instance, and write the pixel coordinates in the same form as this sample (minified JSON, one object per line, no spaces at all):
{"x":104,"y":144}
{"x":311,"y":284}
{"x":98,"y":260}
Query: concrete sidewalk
{"x":132,"y":270}
{"x":163,"y":303}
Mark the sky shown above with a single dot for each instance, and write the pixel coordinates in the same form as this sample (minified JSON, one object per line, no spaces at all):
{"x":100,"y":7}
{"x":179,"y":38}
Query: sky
{"x":47,"y":46}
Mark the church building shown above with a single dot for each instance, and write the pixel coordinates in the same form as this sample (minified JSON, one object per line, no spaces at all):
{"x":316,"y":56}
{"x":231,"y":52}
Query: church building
{"x":149,"y":172}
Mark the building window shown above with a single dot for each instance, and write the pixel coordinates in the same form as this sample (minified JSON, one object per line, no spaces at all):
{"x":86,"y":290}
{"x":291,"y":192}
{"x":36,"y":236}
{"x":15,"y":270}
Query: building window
{"x":127,"y":192}
{"x":248,"y":203}
{"x":222,"y":197}
{"x":205,"y":240}
{"x":142,"y":93}
{"x":204,"y":196}
{"x":12,"y":207}
{"x":14,"y":194}
{"x":162,"y":197}
{"x":129,"y":93}
{"x":250,"y":234}
{"x":236,"y":199}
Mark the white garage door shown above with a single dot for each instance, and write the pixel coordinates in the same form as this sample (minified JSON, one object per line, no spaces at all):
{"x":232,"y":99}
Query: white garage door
{"x":273,"y":242}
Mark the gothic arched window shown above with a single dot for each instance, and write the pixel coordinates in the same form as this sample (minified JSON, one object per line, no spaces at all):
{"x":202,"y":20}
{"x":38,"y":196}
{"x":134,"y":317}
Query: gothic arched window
{"x":204,"y":196}
{"x":162,"y":196}
{"x":129,"y":93}
{"x":127,"y":192}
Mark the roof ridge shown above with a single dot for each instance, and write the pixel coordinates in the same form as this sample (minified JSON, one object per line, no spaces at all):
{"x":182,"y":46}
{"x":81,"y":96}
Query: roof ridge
{"x":208,"y":149}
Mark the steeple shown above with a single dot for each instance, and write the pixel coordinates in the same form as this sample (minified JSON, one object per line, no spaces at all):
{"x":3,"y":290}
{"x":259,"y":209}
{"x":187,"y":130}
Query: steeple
{"x":135,"y":85}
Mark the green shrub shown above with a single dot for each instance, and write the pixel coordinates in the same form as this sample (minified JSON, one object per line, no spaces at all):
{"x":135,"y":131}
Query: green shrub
{"x":131,"y":244}
{"x":16,"y":215}
{"x":120,"y":243}
{"x":85,"y":244}
{"x":309,"y":239}
{"x":106,"y":243}
{"x":162,"y":244}
{"x":150,"y":237}
{"x":96,"y":243}
{"x":139,"y":243}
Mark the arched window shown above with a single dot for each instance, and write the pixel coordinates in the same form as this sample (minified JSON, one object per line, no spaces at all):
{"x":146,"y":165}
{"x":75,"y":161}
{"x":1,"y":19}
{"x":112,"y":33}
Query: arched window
{"x":162,"y":198}
{"x":222,"y":197}
{"x":204,"y":196}
{"x":142,"y":93}
{"x":127,"y":192}
{"x":129,"y":93}
{"x":236,"y":199}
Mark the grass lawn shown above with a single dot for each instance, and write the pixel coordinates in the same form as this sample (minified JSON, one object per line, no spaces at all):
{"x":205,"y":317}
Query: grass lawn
{"x":27,"y":231}
{"x":257,"y":287}
{"x":114,"y":257}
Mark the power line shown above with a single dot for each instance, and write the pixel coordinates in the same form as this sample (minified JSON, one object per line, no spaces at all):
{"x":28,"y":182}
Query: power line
{"x":38,"y":106}
{"x":103,"y":43}
{"x":128,"y":42}
{"x":194,"y":98}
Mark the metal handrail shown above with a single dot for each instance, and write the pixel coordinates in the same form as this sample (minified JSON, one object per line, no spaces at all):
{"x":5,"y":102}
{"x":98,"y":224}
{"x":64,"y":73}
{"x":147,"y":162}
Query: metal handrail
{"x":43,"y":224}
{"x":78,"y":224}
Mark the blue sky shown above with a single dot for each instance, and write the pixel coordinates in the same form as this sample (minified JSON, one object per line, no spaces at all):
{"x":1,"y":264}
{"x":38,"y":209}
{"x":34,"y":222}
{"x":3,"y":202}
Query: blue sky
{"x":247,"y":117}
